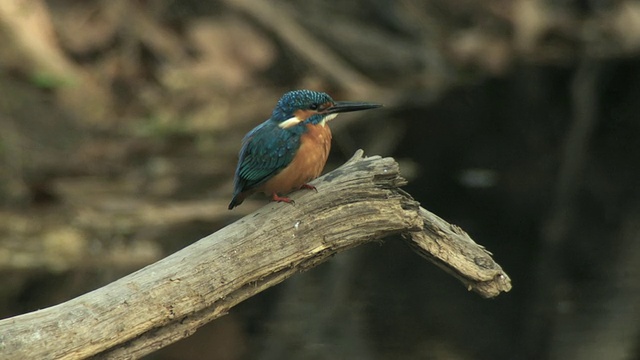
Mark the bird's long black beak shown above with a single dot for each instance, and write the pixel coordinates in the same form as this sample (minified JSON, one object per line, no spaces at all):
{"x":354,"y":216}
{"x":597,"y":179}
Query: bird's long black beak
{"x":348,"y":106}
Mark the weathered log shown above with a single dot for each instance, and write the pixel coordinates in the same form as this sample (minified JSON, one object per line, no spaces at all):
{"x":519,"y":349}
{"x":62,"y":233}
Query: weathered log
{"x":166,"y":301}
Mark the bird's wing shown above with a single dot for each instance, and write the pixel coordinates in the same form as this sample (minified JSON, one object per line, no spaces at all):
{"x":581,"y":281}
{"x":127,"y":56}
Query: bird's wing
{"x":266,"y":150}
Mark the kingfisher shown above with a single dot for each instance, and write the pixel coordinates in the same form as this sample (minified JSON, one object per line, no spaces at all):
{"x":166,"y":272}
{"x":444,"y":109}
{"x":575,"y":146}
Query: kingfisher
{"x":290,"y":148}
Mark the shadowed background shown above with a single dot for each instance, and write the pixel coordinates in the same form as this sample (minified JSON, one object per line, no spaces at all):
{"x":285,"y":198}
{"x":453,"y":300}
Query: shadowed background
{"x":120,"y":123}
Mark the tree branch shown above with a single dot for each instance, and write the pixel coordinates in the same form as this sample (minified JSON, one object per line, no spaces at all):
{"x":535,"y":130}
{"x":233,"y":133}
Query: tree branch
{"x":168,"y":300}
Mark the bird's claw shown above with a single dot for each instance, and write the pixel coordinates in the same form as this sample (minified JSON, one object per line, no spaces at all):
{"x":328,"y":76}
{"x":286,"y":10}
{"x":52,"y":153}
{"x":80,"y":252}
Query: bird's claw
{"x":287,"y":200}
{"x":310,"y":187}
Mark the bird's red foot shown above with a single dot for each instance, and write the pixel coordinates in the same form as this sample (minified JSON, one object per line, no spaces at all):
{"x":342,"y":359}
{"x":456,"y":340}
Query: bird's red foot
{"x":277,"y":198}
{"x":310,"y":187}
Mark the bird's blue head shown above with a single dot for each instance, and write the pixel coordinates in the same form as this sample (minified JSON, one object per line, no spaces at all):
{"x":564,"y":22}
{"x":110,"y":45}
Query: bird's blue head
{"x":311,"y":107}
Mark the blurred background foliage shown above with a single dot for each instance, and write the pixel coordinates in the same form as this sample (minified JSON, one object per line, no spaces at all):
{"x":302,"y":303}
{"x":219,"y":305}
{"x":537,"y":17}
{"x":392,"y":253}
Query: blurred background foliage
{"x":518,"y":120}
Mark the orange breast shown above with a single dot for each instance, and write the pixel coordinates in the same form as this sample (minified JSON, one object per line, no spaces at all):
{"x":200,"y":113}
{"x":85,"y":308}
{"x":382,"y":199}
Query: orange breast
{"x":307,"y":163}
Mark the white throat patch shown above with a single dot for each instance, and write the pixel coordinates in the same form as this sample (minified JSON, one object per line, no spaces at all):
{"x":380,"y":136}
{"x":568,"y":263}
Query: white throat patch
{"x":328,"y":118}
{"x":290,"y":122}
{"x":295,"y":121}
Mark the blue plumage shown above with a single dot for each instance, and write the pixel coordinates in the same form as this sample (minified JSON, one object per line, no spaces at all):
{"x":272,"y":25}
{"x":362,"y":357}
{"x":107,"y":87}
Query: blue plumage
{"x":266,"y":150}
{"x":299,"y":100}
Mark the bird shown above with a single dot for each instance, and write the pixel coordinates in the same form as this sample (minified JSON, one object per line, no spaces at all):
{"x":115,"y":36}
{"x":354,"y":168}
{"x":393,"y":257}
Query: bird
{"x":290,"y":149}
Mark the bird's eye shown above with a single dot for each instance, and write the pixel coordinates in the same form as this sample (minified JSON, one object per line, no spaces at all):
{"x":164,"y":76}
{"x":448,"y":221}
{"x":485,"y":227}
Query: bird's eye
{"x":313,"y":107}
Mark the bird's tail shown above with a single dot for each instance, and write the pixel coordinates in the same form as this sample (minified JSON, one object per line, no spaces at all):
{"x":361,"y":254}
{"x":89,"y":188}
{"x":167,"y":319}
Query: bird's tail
{"x":238,"y":198}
